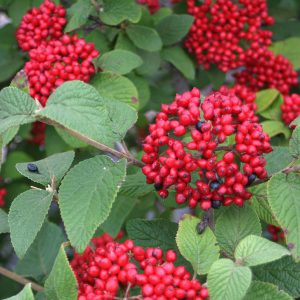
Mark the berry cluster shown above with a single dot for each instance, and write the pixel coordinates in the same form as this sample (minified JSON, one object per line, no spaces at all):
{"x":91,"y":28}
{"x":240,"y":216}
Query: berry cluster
{"x":276,"y":233}
{"x":223,"y":31}
{"x":41,"y":24}
{"x":290,"y":108}
{"x":153,"y":5}
{"x":113,"y":267}
{"x":3,"y":193}
{"x":193,"y":165}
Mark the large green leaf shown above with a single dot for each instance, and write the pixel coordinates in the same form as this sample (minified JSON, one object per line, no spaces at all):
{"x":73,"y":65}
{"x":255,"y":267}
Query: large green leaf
{"x":39,"y":259}
{"x":266,"y":291}
{"x":144,"y":37}
{"x":26,"y":217}
{"x":199,"y":249}
{"x":180,"y":60}
{"x":265,"y":98}
{"x":254,"y":250}
{"x":166,"y":27}
{"x":234,"y":225}
{"x":115,"y":12}
{"x":294,"y":144}
{"x":16,"y":108}
{"x":25,"y":294}
{"x":285,"y":273}
{"x":61,"y":283}
{"x":283,"y":196}
{"x":119,"y":61}
{"x":273,"y":128}
{"x":116,"y":87}
{"x":95,"y":182}
{"x":227,"y":281}
{"x":53,"y":167}
{"x":78,"y":107}
{"x":3,"y":222}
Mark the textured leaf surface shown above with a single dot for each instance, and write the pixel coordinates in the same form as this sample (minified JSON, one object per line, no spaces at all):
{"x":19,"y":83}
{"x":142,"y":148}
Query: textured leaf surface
{"x":283,"y":196}
{"x":294,"y":144}
{"x":265,"y":98}
{"x":16,"y":108}
{"x":25,"y":294}
{"x":95,"y":182}
{"x":278,"y":159}
{"x":40,"y":257}
{"x":61,"y":283}
{"x":23,"y":226}
{"x":3,"y":222}
{"x":199,"y":249}
{"x":54,"y":166}
{"x":275,"y":127}
{"x":234,"y":225}
{"x":254,"y":250}
{"x":227,"y":281}
{"x":265,"y":291}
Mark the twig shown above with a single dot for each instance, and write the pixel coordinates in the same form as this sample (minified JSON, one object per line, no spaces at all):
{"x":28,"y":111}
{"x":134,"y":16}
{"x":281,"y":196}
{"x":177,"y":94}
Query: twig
{"x":20,"y":279}
{"x":127,"y":291}
{"x":291,"y":169}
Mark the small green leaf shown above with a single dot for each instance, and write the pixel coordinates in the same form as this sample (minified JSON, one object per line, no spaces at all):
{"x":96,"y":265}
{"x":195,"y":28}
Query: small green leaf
{"x":234,"y":225}
{"x":61,"y":283}
{"x":275,"y":127}
{"x":227,"y":281}
{"x":166,"y":26}
{"x":199,"y":249}
{"x":273,"y":112}
{"x":151,"y":62}
{"x":53,"y":167}
{"x":283,"y":195}
{"x":265,"y":98}
{"x":294,"y":144}
{"x":119,"y":61}
{"x":16,"y":108}
{"x":95,"y":182}
{"x":266,"y":291}
{"x":180,"y":60}
{"x":3,"y":222}
{"x":254,"y":250}
{"x":115,"y":12}
{"x":144,"y":37}
{"x":142,"y":86}
{"x":116,"y":87}
{"x":162,"y":13}
{"x":25,"y":294}
{"x":23,"y":226}
{"x":39,"y":259}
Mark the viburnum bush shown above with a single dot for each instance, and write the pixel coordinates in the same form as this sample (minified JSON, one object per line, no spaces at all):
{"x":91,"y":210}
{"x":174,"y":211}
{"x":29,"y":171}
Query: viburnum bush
{"x":150,"y":149}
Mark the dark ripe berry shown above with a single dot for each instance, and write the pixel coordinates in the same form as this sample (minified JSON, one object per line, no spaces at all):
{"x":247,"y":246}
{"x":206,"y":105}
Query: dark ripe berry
{"x":214,"y":185}
{"x":216,"y":204}
{"x":201,"y":226}
{"x":199,"y":125}
{"x":251,"y":179}
{"x":158,"y":186}
{"x":32,"y":168}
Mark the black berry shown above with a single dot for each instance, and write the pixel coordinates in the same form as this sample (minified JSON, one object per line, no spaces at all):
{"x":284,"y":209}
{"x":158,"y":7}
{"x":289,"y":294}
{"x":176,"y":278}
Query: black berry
{"x":251,"y":179}
{"x":158,"y":186}
{"x":201,"y":226}
{"x":214,"y":185}
{"x":32,"y":168}
{"x":216,"y":204}
{"x":199,"y":125}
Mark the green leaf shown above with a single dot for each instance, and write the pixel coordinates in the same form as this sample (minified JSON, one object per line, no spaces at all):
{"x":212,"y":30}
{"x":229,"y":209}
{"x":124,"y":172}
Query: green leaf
{"x":61,"y":283}
{"x":99,"y":39}
{"x":166,"y":26}
{"x":227,"y":281}
{"x":115,"y":12}
{"x":78,"y":107}
{"x":162,"y":13}
{"x":288,"y":48}
{"x":120,"y":210}
{"x":144,"y":37}
{"x":151,"y":62}
{"x":143,"y":89}
{"x":234,"y":225}
{"x":119,"y":61}
{"x":254,"y":250}
{"x":284,"y":273}
{"x":25,"y":294}
{"x":116,"y":87}
{"x":95,"y":182}
{"x":10,"y":63}
{"x":79,"y":12}
{"x":180,"y":60}
{"x":53,"y":167}
{"x":265,"y":98}
{"x":16,"y":108}
{"x":266,"y":291}
{"x":294,"y":144}
{"x":68,"y":139}
{"x":283,"y":195}
{"x":275,"y":127}
{"x":40,"y":257}
{"x":23,"y":226}
{"x":273,"y":112}
{"x":199,"y":249}
{"x":3,"y":222}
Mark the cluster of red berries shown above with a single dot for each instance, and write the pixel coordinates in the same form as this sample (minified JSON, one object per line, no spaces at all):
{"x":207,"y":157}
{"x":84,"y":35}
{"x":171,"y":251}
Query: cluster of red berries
{"x":223,"y":31}
{"x":113,"y":267}
{"x":41,"y":24}
{"x":290,"y":108}
{"x":174,"y":163}
{"x":3,"y":193}
{"x":276,"y":233}
{"x":153,"y":5}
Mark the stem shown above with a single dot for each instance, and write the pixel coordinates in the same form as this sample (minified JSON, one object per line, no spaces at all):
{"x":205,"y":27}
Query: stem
{"x":225,"y":148}
{"x":127,"y":291}
{"x":94,"y":143}
{"x":20,"y":279}
{"x":291,"y":169}
{"x":209,"y":214}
